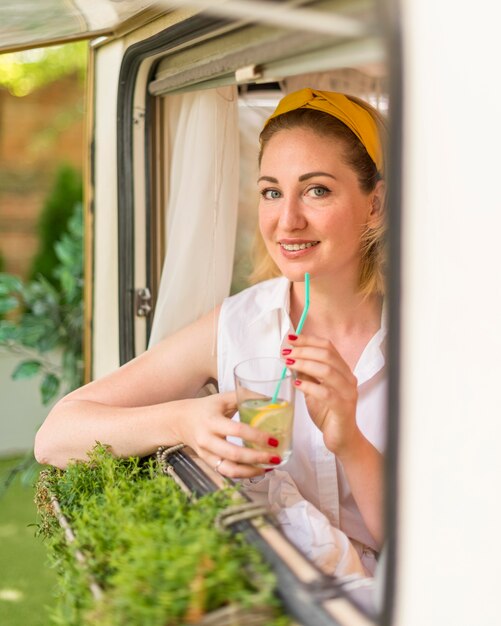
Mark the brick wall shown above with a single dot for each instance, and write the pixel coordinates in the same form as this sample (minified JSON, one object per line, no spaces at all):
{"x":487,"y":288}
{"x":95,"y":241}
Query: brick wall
{"x":37,"y":133}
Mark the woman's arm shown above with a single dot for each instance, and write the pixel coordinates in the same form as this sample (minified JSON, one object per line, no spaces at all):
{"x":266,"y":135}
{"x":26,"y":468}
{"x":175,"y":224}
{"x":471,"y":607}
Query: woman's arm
{"x":150,"y":402}
{"x":363,"y":466}
{"x":331,"y":394}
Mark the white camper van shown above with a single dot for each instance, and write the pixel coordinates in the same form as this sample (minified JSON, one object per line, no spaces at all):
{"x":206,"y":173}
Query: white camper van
{"x":177,"y":92}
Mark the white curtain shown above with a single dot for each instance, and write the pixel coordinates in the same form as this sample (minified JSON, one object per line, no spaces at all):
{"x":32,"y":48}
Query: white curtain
{"x":201,"y":214}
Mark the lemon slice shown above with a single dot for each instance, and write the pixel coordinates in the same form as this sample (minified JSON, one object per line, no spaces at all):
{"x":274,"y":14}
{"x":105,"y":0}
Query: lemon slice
{"x":270,"y":418}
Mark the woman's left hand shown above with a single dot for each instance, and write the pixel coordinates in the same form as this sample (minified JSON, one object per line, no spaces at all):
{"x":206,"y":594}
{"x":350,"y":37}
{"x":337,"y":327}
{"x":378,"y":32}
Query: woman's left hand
{"x":330,"y":389}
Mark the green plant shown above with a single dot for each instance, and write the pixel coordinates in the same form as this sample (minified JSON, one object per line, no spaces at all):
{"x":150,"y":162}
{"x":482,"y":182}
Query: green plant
{"x":54,"y":218}
{"x":155,"y":552}
{"x":42,"y":319}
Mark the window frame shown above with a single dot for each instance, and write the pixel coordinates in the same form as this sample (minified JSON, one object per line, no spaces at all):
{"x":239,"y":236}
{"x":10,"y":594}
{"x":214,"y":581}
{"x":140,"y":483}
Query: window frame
{"x":134,"y":56}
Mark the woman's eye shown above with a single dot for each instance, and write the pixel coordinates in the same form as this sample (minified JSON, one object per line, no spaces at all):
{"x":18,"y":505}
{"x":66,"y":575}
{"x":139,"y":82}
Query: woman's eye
{"x":270,"y":194}
{"x":318,"y":192}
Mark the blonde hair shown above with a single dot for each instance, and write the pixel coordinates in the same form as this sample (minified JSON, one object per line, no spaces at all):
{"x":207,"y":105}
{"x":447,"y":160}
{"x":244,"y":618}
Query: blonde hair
{"x":372,"y":243}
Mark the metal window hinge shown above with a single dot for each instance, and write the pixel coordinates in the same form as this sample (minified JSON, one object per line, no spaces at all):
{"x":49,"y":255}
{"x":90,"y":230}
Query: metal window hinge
{"x":143,"y":302}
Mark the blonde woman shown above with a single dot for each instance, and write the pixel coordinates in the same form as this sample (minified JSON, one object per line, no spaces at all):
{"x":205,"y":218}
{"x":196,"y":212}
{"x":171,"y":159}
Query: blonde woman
{"x":321,"y":211}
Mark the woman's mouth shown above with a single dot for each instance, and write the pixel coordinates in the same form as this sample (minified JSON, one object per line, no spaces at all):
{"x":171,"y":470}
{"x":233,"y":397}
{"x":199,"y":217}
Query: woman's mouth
{"x":293,"y":247}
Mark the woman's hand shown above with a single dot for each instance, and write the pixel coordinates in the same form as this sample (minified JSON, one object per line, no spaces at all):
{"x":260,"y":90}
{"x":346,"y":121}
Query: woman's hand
{"x":204,"y":426}
{"x":330,"y":389}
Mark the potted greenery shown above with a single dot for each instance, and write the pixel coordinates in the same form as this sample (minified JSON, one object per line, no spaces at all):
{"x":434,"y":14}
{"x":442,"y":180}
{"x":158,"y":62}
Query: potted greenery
{"x":131,"y":547}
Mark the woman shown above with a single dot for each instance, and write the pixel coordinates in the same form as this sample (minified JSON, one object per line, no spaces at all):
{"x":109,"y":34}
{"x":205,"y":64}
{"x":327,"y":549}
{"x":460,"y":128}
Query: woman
{"x":321,"y":211}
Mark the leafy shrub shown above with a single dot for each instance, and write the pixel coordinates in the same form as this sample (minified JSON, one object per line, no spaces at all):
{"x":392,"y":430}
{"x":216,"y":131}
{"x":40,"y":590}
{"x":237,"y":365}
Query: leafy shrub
{"x":156,"y":553}
{"x":42,"y":317}
{"x":54,"y":219}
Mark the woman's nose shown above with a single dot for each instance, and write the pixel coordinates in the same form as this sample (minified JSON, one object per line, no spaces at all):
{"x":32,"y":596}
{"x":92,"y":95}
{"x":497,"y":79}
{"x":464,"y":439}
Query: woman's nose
{"x":291,"y":215}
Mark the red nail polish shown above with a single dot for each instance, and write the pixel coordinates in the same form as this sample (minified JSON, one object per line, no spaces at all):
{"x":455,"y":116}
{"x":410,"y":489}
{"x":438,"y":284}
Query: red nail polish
{"x":269,"y":469}
{"x":290,"y":361}
{"x":273,"y":442}
{"x":275,"y":460}
{"x":286,"y":351}
{"x":297,"y":382}
{"x":292,"y":337}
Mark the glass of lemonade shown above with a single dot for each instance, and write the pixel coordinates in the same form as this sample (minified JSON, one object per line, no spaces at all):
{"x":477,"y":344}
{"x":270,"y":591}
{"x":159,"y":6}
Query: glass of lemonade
{"x":256,"y":381}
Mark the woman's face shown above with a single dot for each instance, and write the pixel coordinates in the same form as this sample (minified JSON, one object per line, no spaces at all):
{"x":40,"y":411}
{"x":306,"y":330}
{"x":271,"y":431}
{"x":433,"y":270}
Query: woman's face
{"x":312,"y":211}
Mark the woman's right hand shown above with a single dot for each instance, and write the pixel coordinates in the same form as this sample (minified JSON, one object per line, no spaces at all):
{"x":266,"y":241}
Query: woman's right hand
{"x":204,"y":426}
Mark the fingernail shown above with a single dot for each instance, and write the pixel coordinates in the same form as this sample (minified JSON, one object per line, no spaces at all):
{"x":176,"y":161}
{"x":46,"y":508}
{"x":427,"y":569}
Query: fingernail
{"x":270,"y":469}
{"x":290,"y":361}
{"x":286,"y":351}
{"x":275,"y":460}
{"x":273,"y":442}
{"x":297,"y":382}
{"x":292,"y":337}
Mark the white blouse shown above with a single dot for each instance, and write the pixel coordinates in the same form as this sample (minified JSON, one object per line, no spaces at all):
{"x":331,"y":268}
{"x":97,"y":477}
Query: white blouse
{"x":256,"y":322}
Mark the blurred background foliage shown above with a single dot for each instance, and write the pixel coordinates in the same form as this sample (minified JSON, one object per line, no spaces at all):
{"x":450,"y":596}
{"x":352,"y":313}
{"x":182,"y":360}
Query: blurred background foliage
{"x":41,"y":280}
{"x":53,"y":221}
{"x":43,"y":317}
{"x":41,"y":309}
{"x":25,"y":71}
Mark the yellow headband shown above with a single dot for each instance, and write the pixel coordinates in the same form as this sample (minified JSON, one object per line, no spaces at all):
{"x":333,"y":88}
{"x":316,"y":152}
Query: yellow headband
{"x":338,"y":105}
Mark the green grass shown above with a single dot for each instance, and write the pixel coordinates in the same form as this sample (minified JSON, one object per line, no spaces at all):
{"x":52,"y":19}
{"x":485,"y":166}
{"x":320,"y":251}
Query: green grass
{"x":26,"y":582}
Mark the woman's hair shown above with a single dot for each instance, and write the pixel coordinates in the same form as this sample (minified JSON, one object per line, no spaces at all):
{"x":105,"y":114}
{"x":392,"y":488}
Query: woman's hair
{"x":372,"y":268}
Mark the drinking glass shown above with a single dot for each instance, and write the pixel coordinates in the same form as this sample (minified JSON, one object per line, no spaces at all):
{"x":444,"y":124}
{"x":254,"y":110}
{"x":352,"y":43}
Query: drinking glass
{"x":256,"y":381}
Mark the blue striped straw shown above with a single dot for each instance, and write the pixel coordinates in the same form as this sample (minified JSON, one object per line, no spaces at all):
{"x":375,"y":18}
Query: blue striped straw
{"x":298,"y":329}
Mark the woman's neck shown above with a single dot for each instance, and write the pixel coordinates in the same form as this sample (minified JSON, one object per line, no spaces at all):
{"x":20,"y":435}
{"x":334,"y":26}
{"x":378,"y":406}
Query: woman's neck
{"x":339,"y":312}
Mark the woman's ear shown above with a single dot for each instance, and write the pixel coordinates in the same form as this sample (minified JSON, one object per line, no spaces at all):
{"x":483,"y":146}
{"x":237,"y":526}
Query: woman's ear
{"x":377,"y":204}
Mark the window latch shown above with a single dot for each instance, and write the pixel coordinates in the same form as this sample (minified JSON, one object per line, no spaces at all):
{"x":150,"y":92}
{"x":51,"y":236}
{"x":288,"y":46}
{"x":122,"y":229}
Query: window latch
{"x":143,"y":302}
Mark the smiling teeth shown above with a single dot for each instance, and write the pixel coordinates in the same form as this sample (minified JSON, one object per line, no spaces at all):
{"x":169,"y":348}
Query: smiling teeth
{"x":298,"y":246}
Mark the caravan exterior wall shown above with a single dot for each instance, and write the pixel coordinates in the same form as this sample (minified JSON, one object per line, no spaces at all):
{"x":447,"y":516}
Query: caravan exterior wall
{"x":450,"y":427}
{"x":448,"y":366}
